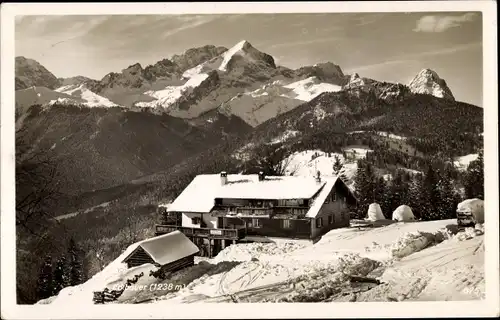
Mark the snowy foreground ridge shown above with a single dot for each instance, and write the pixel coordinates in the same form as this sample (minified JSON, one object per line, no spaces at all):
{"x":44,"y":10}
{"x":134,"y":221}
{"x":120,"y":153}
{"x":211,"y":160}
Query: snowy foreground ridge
{"x":412,"y":261}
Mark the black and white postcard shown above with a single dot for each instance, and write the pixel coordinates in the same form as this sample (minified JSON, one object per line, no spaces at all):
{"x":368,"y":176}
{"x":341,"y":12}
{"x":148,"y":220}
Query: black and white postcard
{"x":300,"y":159}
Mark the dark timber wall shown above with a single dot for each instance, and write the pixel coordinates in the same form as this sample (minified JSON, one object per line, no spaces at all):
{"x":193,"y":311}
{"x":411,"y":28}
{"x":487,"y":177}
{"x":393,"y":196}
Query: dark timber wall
{"x":138,"y":257}
{"x":179,"y":264}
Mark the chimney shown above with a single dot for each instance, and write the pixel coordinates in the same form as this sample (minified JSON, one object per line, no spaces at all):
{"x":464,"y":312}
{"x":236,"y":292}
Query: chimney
{"x":223,"y":178}
{"x":261,"y":176}
{"x":318,"y":177}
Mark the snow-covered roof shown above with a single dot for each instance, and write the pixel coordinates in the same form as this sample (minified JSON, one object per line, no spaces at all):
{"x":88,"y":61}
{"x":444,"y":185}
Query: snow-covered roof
{"x":320,"y":199}
{"x":200,"y":194}
{"x":168,"y":248}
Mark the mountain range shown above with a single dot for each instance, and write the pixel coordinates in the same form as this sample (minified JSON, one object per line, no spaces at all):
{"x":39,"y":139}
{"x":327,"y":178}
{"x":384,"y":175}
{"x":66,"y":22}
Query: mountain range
{"x":241,"y":80}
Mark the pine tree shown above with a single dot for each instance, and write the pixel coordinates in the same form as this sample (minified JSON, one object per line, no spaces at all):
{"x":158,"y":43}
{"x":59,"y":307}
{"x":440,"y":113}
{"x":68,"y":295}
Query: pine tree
{"x":399,"y":190}
{"x":382,"y":196}
{"x":414,"y":195}
{"x":430,"y":196}
{"x":474,"y":178}
{"x":448,"y":198}
{"x":365,"y":186}
{"x":45,"y":281}
{"x":75,"y":264}
{"x":337,"y":165}
{"x":61,"y":278}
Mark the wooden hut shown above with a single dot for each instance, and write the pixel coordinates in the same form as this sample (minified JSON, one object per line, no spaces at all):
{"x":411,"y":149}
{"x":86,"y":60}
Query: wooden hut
{"x":171,"y":251}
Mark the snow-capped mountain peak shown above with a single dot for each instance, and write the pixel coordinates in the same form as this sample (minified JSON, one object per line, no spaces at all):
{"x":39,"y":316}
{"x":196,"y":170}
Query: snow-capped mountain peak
{"x":355,"y":81}
{"x":240,"y":48}
{"x":245,"y":50}
{"x":428,"y":81}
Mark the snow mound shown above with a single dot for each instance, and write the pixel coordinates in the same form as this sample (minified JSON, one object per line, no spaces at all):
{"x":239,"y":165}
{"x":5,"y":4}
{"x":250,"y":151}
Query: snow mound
{"x":375,"y":212}
{"x":403,"y":213}
{"x":410,"y":243}
{"x":470,"y":233}
{"x":473,"y":206}
{"x":249,"y":251}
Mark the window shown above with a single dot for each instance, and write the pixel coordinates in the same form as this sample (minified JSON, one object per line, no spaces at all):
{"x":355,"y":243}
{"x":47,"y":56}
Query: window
{"x":319,"y":222}
{"x":196,"y":220}
{"x":256,"y":223}
{"x":334,"y":196}
{"x":286,"y":224}
{"x":330,"y":219}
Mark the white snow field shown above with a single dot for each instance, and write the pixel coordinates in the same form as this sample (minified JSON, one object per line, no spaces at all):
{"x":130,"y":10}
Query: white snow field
{"x":170,"y":94}
{"x":80,"y":91}
{"x":413,"y":261}
{"x":463,"y":162}
{"x":309,"y":88}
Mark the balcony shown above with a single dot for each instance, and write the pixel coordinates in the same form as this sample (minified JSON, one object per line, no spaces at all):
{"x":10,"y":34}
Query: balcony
{"x":231,"y":234}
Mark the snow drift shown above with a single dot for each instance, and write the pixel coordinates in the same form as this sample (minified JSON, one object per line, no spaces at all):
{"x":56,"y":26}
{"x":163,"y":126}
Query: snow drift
{"x":407,"y":258}
{"x":473,"y":206}
{"x":375,"y":212}
{"x":403,"y":213}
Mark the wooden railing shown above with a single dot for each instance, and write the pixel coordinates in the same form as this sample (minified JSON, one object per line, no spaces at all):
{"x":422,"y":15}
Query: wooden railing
{"x":233,"y":234}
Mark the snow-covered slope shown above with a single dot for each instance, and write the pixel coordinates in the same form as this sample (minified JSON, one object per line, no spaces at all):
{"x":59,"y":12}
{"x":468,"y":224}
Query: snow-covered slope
{"x":238,"y":48}
{"x":276,"y":97}
{"x":428,"y":81}
{"x":463,"y":162}
{"x":112,"y":275}
{"x":170,"y":94}
{"x":309,"y":89}
{"x":414,"y":261}
{"x":307,"y":163}
{"x":25,"y":98}
{"x":91,"y":99}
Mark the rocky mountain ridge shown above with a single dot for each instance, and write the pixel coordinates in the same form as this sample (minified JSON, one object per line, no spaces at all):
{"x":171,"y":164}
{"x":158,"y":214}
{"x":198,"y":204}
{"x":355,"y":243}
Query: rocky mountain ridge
{"x":240,"y":80}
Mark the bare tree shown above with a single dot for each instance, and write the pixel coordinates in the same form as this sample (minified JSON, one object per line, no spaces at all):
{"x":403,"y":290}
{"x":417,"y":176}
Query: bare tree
{"x":272,"y":160}
{"x":37,"y":185}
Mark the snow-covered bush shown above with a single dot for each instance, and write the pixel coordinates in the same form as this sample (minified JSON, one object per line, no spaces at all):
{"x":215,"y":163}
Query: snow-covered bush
{"x":410,"y":243}
{"x":470,"y":233}
{"x":375,"y":212}
{"x":403,"y":213}
{"x":473,"y":206}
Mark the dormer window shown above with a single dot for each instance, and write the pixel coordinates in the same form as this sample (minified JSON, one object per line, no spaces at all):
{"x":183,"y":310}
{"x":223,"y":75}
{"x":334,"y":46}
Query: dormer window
{"x":196,"y":220}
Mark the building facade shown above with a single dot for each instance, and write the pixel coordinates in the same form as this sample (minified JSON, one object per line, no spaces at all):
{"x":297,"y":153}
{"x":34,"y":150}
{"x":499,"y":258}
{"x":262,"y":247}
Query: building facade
{"x":239,"y":207}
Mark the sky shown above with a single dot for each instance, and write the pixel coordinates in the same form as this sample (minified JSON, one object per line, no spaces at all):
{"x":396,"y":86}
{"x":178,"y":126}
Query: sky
{"x":391,"y":47}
